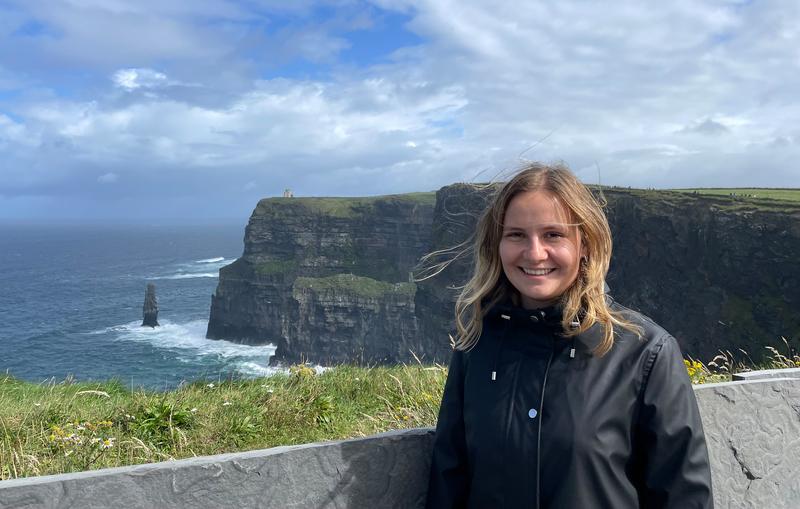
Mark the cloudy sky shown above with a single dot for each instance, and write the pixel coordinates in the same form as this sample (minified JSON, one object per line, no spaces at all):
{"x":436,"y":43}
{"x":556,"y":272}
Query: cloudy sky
{"x":194,"y":109}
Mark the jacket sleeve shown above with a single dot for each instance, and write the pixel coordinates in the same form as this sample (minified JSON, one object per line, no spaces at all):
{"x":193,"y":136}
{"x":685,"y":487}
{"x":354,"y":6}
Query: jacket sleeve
{"x":676,"y":466}
{"x":449,"y":476}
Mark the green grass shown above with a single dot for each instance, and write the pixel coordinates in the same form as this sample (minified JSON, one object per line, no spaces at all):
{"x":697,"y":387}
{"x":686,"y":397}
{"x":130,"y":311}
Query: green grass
{"x":52,"y":428}
{"x":750,"y":192}
{"x":276,"y":267}
{"x":67,"y":427}
{"x":345,"y":207}
{"x":358,"y":285}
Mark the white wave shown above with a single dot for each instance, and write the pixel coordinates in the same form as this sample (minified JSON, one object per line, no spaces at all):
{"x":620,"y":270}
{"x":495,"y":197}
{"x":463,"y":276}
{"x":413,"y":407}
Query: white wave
{"x":188,"y":342}
{"x":184,"y":275}
{"x":211,"y":260}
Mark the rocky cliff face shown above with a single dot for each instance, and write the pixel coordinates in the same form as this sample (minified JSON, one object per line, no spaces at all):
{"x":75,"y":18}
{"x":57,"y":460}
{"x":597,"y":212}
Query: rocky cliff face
{"x":327,"y":279}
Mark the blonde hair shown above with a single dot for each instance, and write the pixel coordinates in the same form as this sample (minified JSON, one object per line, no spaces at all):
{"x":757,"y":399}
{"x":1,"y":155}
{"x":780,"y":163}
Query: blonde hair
{"x":584,"y":301}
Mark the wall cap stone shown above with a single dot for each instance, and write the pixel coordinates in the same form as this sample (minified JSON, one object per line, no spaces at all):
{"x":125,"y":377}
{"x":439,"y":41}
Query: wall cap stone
{"x":768,"y":373}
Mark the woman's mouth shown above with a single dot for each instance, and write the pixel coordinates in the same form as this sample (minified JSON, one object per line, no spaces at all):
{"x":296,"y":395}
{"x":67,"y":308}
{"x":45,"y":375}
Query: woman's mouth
{"x":536,"y":272}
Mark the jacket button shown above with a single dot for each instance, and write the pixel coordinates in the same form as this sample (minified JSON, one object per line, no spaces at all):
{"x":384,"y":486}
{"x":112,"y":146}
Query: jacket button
{"x":532,"y":413}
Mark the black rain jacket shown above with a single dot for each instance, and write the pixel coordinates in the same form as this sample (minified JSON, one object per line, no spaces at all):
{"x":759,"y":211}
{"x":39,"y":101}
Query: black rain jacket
{"x":531,"y":419}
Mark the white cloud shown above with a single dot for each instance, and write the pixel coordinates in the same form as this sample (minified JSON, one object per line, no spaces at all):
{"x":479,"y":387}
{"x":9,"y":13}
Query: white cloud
{"x":131,"y":79}
{"x":108,"y":178}
{"x":673,"y":94}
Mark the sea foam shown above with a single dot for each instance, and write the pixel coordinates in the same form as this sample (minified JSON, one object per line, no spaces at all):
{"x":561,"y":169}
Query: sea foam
{"x":187,"y":342}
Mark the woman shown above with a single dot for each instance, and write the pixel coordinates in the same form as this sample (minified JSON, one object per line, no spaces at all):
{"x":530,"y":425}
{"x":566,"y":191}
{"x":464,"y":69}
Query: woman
{"x":557,"y":396}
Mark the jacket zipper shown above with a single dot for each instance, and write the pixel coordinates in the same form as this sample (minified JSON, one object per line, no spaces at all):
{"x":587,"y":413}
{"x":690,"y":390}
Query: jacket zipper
{"x":539,"y":431}
{"x":510,"y":416}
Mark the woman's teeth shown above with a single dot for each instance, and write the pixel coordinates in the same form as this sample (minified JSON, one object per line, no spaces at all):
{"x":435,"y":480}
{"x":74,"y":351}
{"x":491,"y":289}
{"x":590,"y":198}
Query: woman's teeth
{"x":536,"y":272}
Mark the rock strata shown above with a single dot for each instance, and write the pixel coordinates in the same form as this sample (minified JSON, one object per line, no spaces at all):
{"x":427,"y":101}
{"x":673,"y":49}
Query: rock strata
{"x":328,"y":279}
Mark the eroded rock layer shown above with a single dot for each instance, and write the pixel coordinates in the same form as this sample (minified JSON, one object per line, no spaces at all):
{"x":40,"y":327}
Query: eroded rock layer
{"x":328,"y":279}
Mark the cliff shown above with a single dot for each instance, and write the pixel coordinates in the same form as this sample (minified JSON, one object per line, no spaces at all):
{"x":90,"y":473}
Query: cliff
{"x":327,"y":279}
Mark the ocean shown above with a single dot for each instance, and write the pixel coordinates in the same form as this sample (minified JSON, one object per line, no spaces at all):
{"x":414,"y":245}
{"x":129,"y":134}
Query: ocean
{"x":71,"y":304}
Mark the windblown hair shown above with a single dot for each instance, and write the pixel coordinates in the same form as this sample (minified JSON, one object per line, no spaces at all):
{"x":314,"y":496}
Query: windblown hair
{"x":584,"y":301}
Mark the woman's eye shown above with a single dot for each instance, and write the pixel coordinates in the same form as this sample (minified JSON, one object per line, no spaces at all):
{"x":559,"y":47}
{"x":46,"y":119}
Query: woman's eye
{"x":554,"y":235}
{"x":514,"y":235}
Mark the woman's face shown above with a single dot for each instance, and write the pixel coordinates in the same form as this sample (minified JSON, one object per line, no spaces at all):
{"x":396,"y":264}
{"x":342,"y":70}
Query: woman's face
{"x":539,"y":249}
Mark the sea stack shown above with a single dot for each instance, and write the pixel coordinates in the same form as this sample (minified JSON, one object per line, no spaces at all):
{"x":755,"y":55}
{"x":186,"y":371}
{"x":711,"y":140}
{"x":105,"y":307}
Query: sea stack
{"x":150,"y":308}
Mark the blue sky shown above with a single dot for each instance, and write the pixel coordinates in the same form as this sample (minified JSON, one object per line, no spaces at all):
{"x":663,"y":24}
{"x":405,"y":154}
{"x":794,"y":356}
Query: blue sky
{"x":114,"y":110}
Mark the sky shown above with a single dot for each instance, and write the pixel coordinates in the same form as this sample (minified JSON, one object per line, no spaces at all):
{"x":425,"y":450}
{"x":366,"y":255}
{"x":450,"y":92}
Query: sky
{"x":193,"y":110}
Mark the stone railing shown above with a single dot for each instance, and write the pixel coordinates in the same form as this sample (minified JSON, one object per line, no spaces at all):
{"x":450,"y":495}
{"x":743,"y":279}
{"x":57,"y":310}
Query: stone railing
{"x":752,"y":428}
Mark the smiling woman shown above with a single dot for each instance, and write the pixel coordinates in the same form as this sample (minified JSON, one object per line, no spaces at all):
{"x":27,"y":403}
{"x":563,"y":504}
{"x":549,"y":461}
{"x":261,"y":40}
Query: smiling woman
{"x":557,"y":396}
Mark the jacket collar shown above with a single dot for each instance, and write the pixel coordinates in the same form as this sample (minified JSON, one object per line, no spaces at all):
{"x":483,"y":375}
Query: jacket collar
{"x":548,"y":318}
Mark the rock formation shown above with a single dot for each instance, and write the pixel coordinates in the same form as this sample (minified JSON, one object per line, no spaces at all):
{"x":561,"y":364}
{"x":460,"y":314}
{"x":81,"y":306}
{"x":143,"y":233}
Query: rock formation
{"x":150,"y":308}
{"x":327,"y":279}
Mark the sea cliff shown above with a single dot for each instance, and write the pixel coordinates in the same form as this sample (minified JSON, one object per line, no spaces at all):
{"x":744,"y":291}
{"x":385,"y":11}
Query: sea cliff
{"x":329,"y":279}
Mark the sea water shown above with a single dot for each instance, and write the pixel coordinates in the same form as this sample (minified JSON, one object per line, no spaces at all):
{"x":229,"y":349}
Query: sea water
{"x":71,"y":304}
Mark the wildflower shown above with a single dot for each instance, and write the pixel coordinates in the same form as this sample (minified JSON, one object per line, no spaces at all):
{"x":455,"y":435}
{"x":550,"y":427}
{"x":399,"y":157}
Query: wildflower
{"x":37,"y":404}
{"x":108,"y":443}
{"x":210,"y":386}
{"x":226,"y":403}
{"x":358,"y":379}
{"x":193,"y":410}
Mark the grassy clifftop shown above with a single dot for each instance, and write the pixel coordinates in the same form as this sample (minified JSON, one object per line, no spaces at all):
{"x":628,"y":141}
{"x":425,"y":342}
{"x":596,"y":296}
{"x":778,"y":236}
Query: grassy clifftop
{"x":345,"y":207}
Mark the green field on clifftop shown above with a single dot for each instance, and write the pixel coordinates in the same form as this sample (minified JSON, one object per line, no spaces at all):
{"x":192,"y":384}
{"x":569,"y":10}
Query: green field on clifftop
{"x":350,"y":206}
{"x":786,"y":194}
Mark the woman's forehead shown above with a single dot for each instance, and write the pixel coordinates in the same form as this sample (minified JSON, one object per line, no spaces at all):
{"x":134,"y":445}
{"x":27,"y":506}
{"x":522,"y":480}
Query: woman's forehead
{"x":537,"y":208}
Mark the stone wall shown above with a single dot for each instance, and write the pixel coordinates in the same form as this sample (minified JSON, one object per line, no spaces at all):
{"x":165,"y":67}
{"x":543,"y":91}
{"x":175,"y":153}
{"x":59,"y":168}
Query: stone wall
{"x":752,"y":428}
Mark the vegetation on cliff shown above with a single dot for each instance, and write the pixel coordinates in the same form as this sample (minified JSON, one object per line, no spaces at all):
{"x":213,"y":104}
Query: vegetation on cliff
{"x":63,"y":427}
{"x":341,"y":207}
{"x":350,"y":284}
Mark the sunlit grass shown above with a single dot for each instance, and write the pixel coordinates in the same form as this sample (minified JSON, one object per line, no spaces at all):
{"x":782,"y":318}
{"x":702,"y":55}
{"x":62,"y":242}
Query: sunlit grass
{"x":63,"y":427}
{"x":67,"y":427}
{"x":771,"y":194}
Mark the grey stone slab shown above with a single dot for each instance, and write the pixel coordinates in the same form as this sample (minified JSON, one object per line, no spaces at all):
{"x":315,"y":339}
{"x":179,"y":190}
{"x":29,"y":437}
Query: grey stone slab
{"x":387,"y":470}
{"x":753,"y":434}
{"x":768,"y":373}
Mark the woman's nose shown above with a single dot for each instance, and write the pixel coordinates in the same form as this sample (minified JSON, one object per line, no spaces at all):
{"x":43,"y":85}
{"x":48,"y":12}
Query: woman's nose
{"x":535,"y":250}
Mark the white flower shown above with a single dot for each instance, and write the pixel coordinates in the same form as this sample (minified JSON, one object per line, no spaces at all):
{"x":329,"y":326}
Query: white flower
{"x":210,"y":386}
{"x":37,"y":404}
{"x":193,"y":410}
{"x":226,"y":403}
